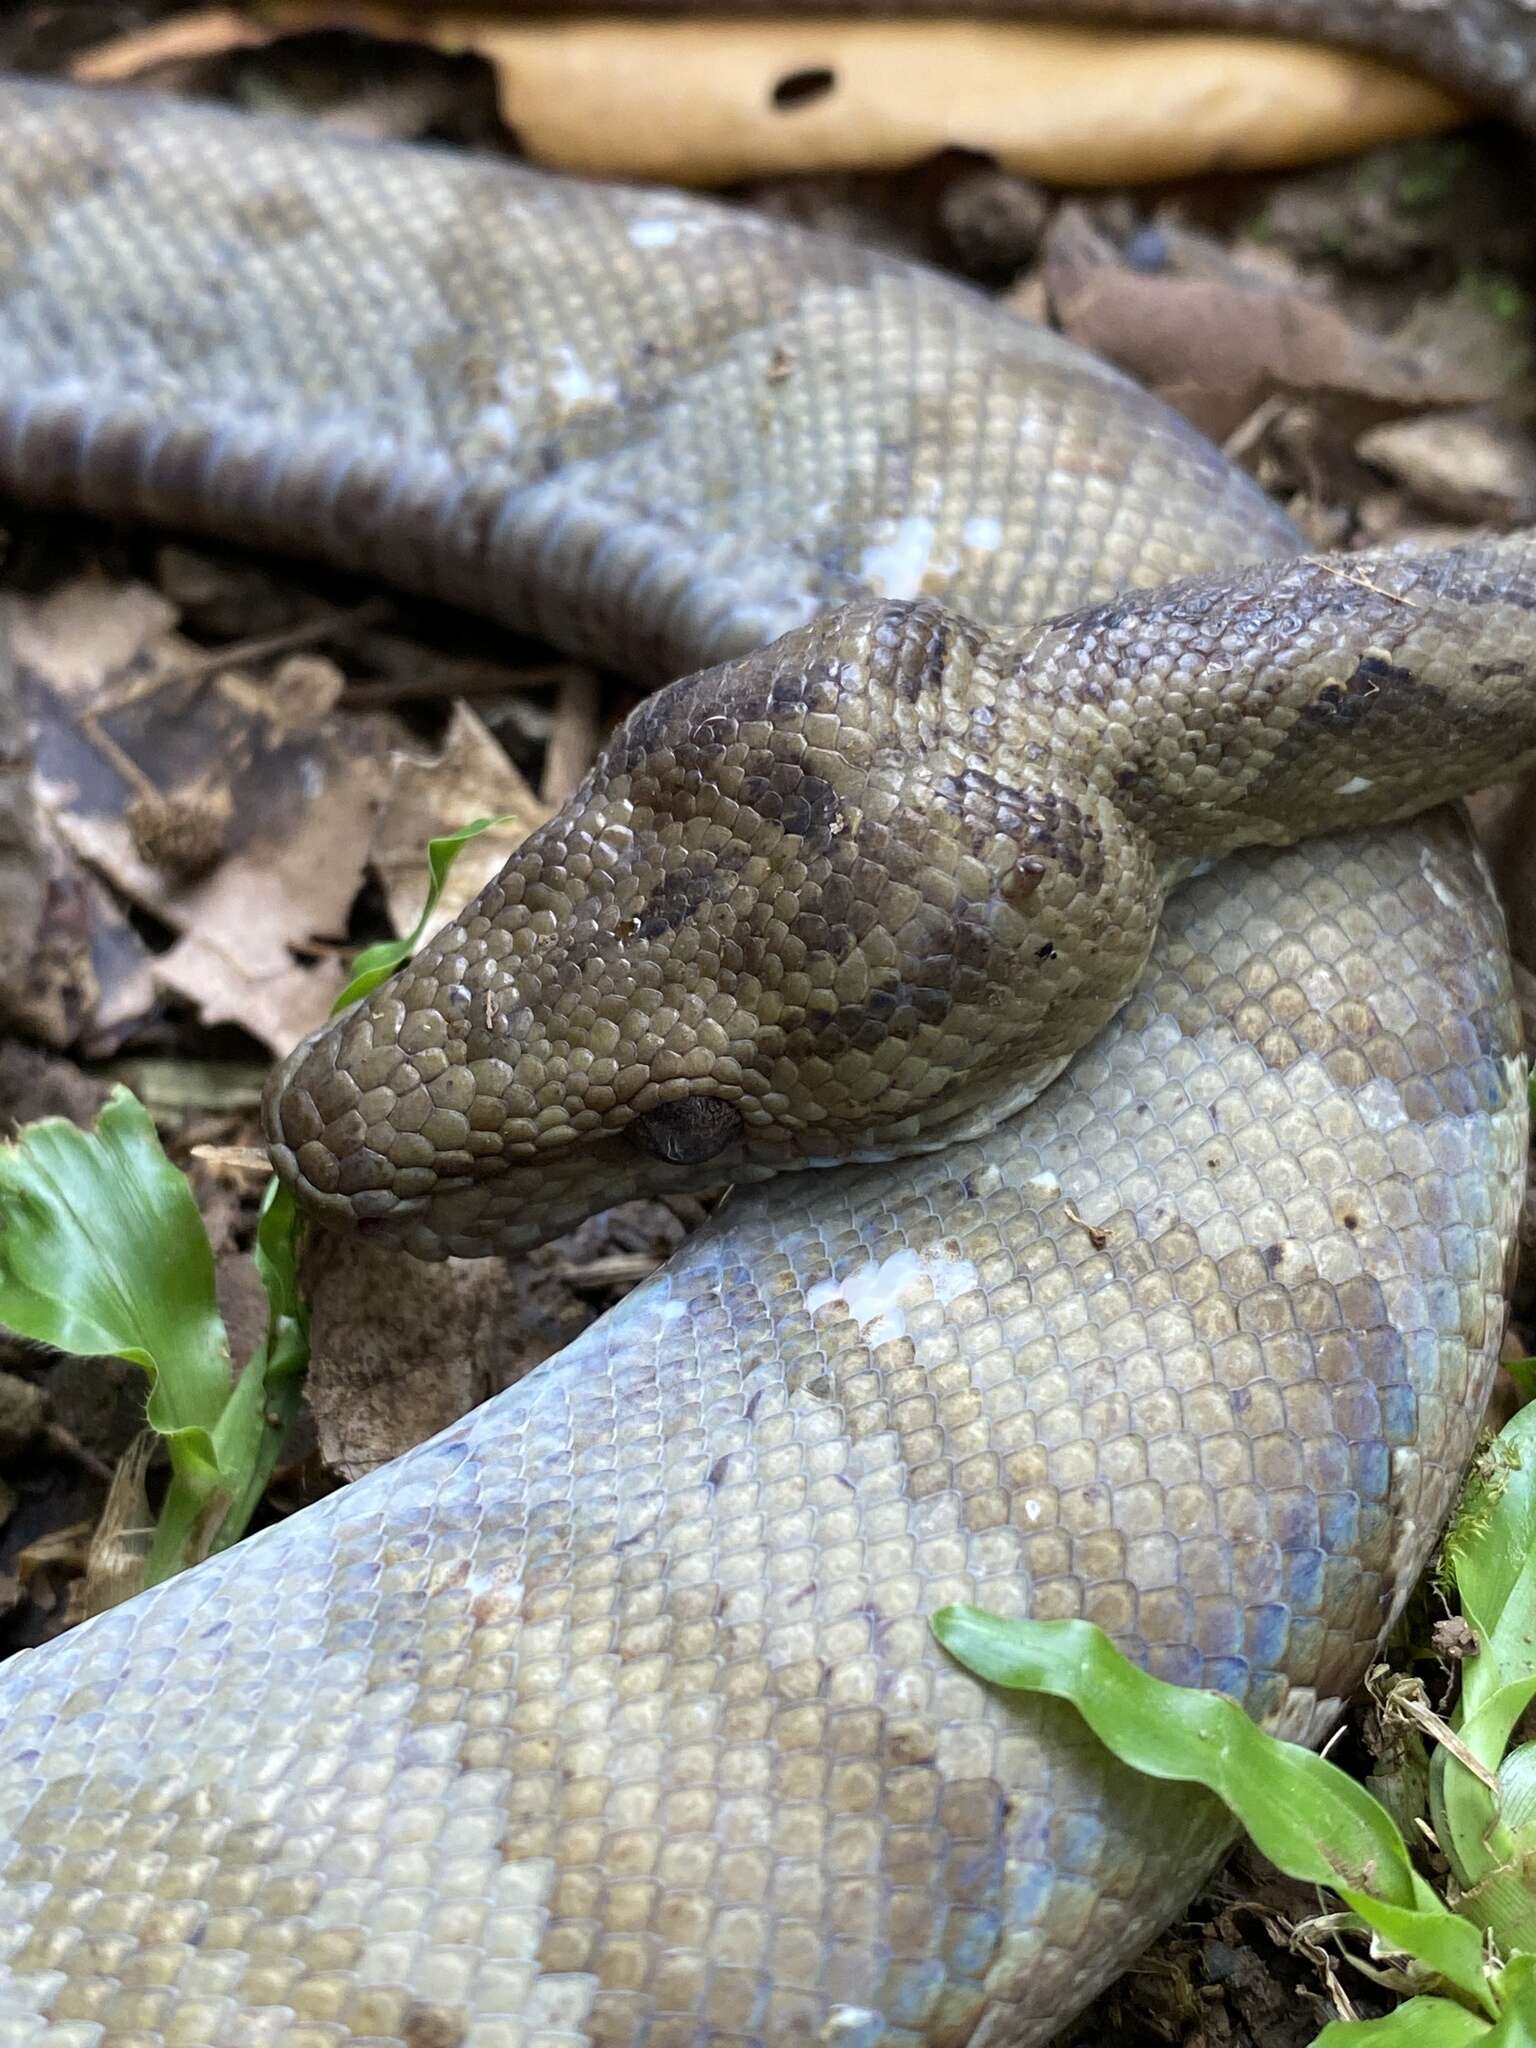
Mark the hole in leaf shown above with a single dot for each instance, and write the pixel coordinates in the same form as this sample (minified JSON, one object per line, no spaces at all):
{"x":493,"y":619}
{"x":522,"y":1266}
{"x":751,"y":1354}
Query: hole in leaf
{"x":803,"y":88}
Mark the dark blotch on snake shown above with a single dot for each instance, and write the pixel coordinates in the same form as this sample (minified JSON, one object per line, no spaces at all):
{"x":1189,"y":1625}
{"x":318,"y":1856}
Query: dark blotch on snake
{"x":688,"y":1132}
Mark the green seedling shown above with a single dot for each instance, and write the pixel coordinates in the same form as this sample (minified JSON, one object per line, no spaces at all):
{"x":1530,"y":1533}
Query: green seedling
{"x":103,"y":1253}
{"x":1474,"y":1950}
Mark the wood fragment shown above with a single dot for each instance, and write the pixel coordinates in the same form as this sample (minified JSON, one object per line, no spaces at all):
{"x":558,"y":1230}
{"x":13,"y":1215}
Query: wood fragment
{"x":1361,"y":581}
{"x":211,"y":32}
{"x":1098,"y":1236}
{"x":573,"y":740}
{"x":337,"y":624}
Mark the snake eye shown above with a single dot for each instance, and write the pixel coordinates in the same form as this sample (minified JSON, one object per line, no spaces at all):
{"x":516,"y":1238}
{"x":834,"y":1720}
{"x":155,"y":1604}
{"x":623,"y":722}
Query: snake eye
{"x":688,"y":1132}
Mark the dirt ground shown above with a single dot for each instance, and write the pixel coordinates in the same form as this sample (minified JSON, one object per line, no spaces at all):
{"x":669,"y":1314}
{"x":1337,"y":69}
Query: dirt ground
{"x":1359,"y":337}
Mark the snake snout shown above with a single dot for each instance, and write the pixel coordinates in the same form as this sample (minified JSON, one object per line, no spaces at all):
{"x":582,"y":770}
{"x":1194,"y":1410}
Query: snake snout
{"x":330,"y":1138}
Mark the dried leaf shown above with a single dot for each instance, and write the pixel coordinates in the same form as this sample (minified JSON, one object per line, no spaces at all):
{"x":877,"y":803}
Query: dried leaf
{"x":48,"y":932}
{"x":128,"y":715}
{"x":667,"y":100}
{"x":119,"y":1547}
{"x":471,"y":778}
{"x":211,"y":32}
{"x":1466,"y":464}
{"x":1219,"y":346}
{"x":60,"y":1550}
{"x":383,"y":91}
{"x":1505,"y":822}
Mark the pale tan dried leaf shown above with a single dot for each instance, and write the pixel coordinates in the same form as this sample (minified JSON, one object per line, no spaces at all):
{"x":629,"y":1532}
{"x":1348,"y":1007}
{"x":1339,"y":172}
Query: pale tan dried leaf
{"x":701,"y":105}
{"x":235,"y":958}
{"x":59,"y":1549}
{"x":119,"y":1545}
{"x":471,"y":778}
{"x":1467,"y":464}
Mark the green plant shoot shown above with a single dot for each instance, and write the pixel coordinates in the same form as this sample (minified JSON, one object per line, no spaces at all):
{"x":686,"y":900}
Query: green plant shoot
{"x":102,"y":1250}
{"x":1483,"y":1808}
{"x":377,"y":963}
{"x":1310,"y":1818}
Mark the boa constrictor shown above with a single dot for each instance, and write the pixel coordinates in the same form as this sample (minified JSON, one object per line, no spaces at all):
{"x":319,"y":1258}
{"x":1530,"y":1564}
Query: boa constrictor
{"x":612,"y":1714}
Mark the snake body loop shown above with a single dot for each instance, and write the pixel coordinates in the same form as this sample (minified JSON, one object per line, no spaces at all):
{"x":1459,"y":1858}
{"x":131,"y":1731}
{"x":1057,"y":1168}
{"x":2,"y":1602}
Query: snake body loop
{"x":612,"y":1714}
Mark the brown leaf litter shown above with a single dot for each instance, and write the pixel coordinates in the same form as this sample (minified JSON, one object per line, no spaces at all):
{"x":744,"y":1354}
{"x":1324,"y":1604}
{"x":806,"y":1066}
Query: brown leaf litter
{"x":1218,"y":335}
{"x":136,"y":730}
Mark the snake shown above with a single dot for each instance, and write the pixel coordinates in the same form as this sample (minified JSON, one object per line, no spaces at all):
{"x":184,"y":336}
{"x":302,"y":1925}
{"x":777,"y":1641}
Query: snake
{"x":1039,"y":897}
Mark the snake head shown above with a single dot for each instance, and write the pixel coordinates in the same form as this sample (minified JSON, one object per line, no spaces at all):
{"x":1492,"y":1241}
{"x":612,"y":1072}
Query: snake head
{"x":788,"y":920}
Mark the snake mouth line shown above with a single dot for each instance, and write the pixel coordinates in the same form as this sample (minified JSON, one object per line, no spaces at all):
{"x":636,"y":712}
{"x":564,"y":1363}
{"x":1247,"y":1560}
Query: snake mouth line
{"x":376,"y":1213}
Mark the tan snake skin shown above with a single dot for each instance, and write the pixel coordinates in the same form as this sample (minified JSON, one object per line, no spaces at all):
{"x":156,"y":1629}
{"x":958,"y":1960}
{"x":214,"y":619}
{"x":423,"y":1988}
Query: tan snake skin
{"x":865,"y":893}
{"x":612,"y":1714}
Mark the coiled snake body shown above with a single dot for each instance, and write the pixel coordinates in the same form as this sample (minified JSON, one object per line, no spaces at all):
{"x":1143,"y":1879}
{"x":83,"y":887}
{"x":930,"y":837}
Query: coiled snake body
{"x":612,"y":1714}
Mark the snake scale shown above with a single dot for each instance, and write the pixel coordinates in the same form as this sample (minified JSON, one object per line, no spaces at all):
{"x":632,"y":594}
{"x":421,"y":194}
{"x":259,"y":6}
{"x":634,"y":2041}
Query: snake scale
{"x":611,"y":1715}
